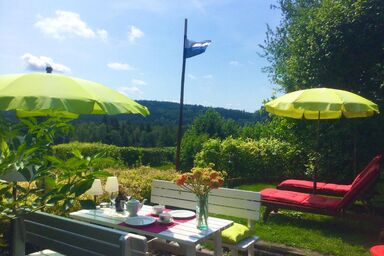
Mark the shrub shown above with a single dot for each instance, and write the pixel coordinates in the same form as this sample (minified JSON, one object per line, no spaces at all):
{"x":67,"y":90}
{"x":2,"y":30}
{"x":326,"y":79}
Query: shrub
{"x":131,"y":156}
{"x":265,"y":159}
{"x":137,"y":181}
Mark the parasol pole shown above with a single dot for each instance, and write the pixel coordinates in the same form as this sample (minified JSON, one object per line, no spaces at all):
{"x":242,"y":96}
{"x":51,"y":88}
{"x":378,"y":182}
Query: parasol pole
{"x":354,"y":149}
{"x":180,"y":126}
{"x":317,"y":155}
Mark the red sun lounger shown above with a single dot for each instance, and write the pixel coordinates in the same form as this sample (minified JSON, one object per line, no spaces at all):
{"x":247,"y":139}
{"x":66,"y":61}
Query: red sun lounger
{"x":377,"y":250}
{"x":323,"y":188}
{"x":275,"y":199}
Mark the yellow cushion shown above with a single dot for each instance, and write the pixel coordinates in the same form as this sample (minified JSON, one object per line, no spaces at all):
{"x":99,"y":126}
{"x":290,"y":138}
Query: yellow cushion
{"x":235,"y":233}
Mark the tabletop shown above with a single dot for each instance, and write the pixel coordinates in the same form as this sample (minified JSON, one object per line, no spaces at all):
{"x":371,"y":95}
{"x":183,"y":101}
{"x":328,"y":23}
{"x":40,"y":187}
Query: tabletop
{"x":182,"y":231}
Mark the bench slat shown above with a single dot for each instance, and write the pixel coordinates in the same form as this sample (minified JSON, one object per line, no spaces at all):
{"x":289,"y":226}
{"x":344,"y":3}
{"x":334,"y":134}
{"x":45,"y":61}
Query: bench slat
{"x":62,"y":223}
{"x":67,"y":249}
{"x":72,"y":237}
{"x":231,"y":202}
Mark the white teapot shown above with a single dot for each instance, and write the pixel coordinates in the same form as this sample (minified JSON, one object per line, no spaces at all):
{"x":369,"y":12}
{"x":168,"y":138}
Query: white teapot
{"x":133,"y":206}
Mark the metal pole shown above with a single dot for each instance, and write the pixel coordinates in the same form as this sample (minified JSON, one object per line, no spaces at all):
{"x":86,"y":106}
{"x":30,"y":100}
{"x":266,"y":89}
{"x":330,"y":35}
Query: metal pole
{"x":179,"y":129}
{"x":317,"y":156}
{"x":14,"y":196}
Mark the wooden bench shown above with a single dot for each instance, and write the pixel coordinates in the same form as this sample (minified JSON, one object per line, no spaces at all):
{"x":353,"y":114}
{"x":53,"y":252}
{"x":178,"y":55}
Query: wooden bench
{"x":224,"y":201}
{"x":72,"y":237}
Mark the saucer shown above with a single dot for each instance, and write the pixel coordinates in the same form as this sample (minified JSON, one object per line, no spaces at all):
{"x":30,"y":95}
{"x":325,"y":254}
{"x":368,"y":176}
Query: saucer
{"x":165,"y":222}
{"x":104,"y":205}
{"x":140,"y":221}
{"x":182,"y":214}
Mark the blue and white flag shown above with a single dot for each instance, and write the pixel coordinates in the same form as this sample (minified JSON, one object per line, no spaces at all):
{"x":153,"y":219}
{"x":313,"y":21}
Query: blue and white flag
{"x":193,"y":48}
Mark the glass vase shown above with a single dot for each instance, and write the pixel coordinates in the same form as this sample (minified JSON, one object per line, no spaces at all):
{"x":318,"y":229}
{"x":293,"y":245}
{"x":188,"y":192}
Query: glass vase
{"x":202,"y":211}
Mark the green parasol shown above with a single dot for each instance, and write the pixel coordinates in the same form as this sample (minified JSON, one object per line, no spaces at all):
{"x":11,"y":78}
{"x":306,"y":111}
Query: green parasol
{"x":321,"y":103}
{"x":45,"y":94}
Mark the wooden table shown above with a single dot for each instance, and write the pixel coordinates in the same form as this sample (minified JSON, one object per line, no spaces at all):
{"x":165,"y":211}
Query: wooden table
{"x":185,"y":234}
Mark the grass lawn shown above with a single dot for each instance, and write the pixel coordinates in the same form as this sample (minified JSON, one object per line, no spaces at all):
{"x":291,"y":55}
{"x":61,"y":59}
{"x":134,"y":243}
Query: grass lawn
{"x":324,"y":234}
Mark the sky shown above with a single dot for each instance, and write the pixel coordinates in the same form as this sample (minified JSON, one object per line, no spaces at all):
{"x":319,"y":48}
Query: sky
{"x":136,"y":46}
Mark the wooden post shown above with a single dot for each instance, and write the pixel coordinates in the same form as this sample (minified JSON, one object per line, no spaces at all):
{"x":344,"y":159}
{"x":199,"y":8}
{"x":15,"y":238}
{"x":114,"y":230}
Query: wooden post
{"x":179,"y":130}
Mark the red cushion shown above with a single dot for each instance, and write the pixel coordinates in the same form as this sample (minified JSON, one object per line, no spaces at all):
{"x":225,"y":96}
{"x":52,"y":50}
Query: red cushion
{"x":322,"y":202}
{"x":370,"y":167}
{"x":321,"y":187}
{"x":299,"y":199}
{"x":377,"y":250}
{"x":335,"y":188}
{"x":272,"y":194}
{"x":306,"y":184}
{"x":360,"y":183}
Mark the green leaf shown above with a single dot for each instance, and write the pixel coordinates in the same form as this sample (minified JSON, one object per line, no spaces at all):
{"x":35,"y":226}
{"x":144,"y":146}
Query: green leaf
{"x":21,"y":149}
{"x":77,"y":153}
{"x":55,"y":199}
{"x":66,"y":188}
{"x":4,"y":148}
{"x":87,"y":204}
{"x":50,"y":181}
{"x":74,"y":163}
{"x":26,"y":173}
{"x":82,"y":186}
{"x":54,"y":160}
{"x":28,"y":122}
{"x":30,"y":151}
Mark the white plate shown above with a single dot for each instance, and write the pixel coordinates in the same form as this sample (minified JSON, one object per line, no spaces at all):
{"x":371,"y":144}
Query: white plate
{"x":182,"y":214}
{"x":140,"y":221}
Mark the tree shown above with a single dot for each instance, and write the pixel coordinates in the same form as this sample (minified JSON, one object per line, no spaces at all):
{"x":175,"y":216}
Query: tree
{"x":330,"y":43}
{"x":338,"y":44}
{"x":207,"y":125}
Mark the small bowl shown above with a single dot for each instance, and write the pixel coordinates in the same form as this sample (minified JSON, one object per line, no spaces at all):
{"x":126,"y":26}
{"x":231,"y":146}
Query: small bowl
{"x":157,"y":209}
{"x":165,"y":222}
{"x":165,"y":218}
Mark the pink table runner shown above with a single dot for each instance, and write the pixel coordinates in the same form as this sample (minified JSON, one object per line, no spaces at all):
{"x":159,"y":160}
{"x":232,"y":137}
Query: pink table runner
{"x":158,"y":227}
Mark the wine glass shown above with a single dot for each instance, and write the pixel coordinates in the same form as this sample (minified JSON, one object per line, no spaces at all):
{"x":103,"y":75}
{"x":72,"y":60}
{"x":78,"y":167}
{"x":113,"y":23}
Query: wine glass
{"x":112,"y":187}
{"x":112,"y":198}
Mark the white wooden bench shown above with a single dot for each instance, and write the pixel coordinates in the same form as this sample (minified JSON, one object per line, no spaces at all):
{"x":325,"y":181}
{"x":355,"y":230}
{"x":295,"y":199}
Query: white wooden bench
{"x":224,"y":201}
{"x":72,"y":237}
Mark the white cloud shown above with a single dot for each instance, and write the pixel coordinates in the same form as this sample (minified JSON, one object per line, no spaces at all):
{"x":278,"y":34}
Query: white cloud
{"x":192,"y":77}
{"x":129,"y":91}
{"x":208,"y":76}
{"x":120,"y":66}
{"x":103,"y":34}
{"x":134,"y":34}
{"x":234,"y":63}
{"x":39,"y":63}
{"x":138,"y":82}
{"x":67,"y":24}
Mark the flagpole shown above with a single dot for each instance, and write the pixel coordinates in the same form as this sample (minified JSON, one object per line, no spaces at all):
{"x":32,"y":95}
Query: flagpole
{"x":179,"y":129}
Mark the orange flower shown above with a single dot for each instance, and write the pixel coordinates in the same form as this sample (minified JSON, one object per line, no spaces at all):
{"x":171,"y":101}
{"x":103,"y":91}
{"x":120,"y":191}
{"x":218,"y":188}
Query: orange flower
{"x":181,"y":180}
{"x":214,"y":175}
{"x":201,"y":180}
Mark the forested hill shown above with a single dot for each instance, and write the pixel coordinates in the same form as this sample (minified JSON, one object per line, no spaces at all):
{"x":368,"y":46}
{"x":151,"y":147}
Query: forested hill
{"x":156,"y":130}
{"x":168,"y":112}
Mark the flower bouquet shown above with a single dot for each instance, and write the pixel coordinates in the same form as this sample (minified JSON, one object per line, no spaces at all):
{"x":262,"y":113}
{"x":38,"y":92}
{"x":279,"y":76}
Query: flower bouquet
{"x":200,"y":181}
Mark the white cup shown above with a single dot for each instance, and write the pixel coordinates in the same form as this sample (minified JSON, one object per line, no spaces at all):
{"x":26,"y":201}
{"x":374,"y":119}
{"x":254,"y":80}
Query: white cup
{"x":157,"y":209}
{"x":165,"y":217}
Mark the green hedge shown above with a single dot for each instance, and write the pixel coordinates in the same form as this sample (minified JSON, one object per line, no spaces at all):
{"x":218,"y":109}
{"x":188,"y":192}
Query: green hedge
{"x":137,"y":181}
{"x":130,"y":156}
{"x":264,"y":159}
